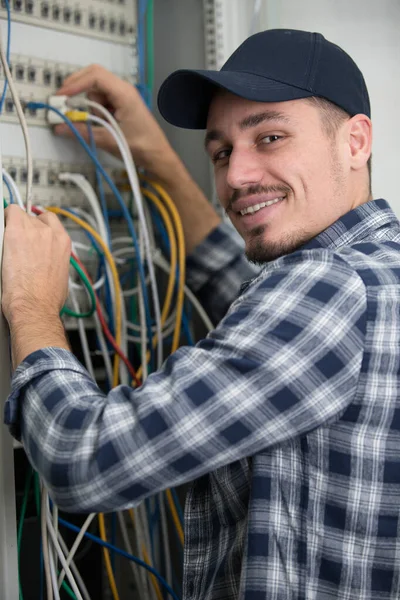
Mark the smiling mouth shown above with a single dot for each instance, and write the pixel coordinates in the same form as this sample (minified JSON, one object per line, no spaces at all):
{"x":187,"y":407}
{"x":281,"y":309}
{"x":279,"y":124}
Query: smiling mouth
{"x":256,"y":207}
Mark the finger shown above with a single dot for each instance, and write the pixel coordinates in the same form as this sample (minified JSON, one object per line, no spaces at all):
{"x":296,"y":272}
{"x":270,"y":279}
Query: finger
{"x":51,"y":220}
{"x":97,"y":79}
{"x":14,"y":215}
{"x":73,"y":77}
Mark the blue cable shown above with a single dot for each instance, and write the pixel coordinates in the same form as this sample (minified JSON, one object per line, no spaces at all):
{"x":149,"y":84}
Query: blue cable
{"x":3,"y":96}
{"x":8,"y":189}
{"x":186,"y":329}
{"x":114,"y":189}
{"x":121,"y":552}
{"x":177,"y":505}
{"x":113,"y":538}
{"x":141,"y":50}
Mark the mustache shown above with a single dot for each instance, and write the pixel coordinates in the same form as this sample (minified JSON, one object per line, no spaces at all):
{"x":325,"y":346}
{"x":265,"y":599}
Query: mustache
{"x":256,"y":190}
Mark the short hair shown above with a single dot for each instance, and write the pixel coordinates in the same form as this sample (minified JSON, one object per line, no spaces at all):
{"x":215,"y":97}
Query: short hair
{"x":332,"y":117}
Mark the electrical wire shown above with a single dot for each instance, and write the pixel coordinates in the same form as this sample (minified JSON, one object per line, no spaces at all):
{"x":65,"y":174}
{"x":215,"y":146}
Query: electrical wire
{"x":15,"y":191}
{"x":125,"y":211}
{"x":75,"y":546}
{"x":82,"y":334}
{"x":114,"y":272}
{"x":124,"y":554}
{"x":181,"y":257}
{"x":50,"y":529}
{"x":134,"y":183}
{"x":3,"y":95}
{"x":45,"y":546}
{"x":24,"y":127}
{"x":9,"y":190}
{"x":74,"y":569}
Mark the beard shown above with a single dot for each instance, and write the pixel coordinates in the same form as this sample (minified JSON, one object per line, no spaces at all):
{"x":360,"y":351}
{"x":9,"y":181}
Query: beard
{"x":259,"y":252}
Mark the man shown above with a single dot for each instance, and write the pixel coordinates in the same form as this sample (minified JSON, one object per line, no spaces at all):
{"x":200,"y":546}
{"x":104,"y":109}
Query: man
{"x":288,"y":415}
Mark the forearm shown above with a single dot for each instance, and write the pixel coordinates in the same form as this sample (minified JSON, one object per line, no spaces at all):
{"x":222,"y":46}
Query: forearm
{"x":31,"y":332}
{"x":197,"y":214}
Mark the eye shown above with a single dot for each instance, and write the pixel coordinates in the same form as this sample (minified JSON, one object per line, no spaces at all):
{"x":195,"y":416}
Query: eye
{"x":268,"y":139}
{"x":221,"y":155}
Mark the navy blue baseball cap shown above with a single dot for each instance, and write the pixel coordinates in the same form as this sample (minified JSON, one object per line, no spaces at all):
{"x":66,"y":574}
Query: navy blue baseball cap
{"x":272,"y":66}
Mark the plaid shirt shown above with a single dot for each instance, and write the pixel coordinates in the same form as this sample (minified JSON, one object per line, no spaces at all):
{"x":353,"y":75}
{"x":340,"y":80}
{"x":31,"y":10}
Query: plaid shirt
{"x":287,"y":416}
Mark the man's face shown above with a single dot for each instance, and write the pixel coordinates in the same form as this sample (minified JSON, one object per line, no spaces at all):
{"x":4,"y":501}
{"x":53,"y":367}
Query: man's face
{"x":280,"y":178}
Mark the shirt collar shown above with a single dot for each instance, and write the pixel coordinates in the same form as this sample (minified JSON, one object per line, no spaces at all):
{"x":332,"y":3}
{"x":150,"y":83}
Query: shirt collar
{"x":355,"y":225}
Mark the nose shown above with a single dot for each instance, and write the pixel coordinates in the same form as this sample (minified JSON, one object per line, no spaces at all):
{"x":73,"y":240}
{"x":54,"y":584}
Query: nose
{"x":244,"y":169}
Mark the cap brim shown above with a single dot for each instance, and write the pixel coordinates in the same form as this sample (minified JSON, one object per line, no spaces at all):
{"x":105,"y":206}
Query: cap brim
{"x":184,"y":97}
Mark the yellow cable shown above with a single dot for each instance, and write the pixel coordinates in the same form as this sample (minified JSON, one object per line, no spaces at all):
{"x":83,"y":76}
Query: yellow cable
{"x":110,"y":574}
{"x":181,"y":258}
{"x":146,"y":559}
{"x":114,"y":272}
{"x":173,"y":252}
{"x":179,"y":309}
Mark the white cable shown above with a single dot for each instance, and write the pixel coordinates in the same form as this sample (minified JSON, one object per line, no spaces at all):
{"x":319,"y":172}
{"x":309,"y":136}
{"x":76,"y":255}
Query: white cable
{"x":69,"y":558}
{"x":53,"y":575}
{"x":100,"y":282}
{"x":128,"y":546}
{"x":143,"y":332}
{"x":45,"y":545}
{"x":135,"y":186}
{"x":14,"y":188}
{"x":82,"y":335}
{"x":61,"y":557}
{"x":74,"y":569}
{"x":24,"y":127}
{"x":83,"y":184}
{"x":103,"y":347}
{"x":85,"y":216}
{"x":141,"y":524}
{"x":166,"y":546}
{"x":163,"y":264}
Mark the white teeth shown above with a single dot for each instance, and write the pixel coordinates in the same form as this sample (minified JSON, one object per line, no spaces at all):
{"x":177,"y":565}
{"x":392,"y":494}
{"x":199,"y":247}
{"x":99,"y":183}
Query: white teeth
{"x":256,"y":207}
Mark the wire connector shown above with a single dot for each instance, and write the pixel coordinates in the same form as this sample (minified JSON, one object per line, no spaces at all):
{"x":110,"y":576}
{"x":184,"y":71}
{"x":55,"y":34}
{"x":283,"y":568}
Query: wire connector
{"x":60,"y":103}
{"x":77,"y":115}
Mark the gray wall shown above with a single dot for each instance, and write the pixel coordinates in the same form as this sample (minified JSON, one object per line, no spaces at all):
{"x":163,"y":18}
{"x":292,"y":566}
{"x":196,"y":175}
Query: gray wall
{"x":179,"y":43}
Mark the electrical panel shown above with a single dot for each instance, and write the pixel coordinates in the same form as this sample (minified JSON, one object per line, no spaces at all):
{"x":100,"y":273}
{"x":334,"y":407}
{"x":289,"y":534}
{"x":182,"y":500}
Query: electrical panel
{"x":49,"y":41}
{"x":36,"y":80}
{"x":112,"y":21}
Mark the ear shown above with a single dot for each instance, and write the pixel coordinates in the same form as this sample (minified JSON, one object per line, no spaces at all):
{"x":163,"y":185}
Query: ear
{"x":360,"y":140}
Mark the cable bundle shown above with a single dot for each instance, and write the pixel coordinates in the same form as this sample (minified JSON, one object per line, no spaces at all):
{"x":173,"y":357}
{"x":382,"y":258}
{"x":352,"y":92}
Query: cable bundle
{"x":111,"y":276}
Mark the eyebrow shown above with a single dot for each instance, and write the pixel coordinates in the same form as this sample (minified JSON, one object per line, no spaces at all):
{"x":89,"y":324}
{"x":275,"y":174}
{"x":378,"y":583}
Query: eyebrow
{"x":247,"y":123}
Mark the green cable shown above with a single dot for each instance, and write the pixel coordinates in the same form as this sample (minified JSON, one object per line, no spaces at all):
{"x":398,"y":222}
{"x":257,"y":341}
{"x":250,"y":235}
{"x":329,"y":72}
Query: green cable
{"x":65,"y":310}
{"x":88,"y":286}
{"x":150,"y":45}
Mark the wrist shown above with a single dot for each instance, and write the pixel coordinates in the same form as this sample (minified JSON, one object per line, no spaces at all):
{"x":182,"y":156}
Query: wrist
{"x":31,"y":331}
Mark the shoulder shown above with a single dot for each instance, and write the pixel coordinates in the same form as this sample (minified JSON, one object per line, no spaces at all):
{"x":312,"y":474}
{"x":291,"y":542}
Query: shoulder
{"x":319,"y":272}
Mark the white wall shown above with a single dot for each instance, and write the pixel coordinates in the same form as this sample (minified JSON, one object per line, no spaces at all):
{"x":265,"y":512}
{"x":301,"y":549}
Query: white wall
{"x":369,"y":30}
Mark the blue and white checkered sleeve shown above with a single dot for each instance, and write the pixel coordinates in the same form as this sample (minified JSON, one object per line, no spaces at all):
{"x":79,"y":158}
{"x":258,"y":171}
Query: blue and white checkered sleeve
{"x":285,"y":360}
{"x":216,"y":270}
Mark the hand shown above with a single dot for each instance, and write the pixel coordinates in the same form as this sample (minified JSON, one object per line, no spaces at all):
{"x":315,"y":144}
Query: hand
{"x":35,"y":266}
{"x":147,"y":142}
